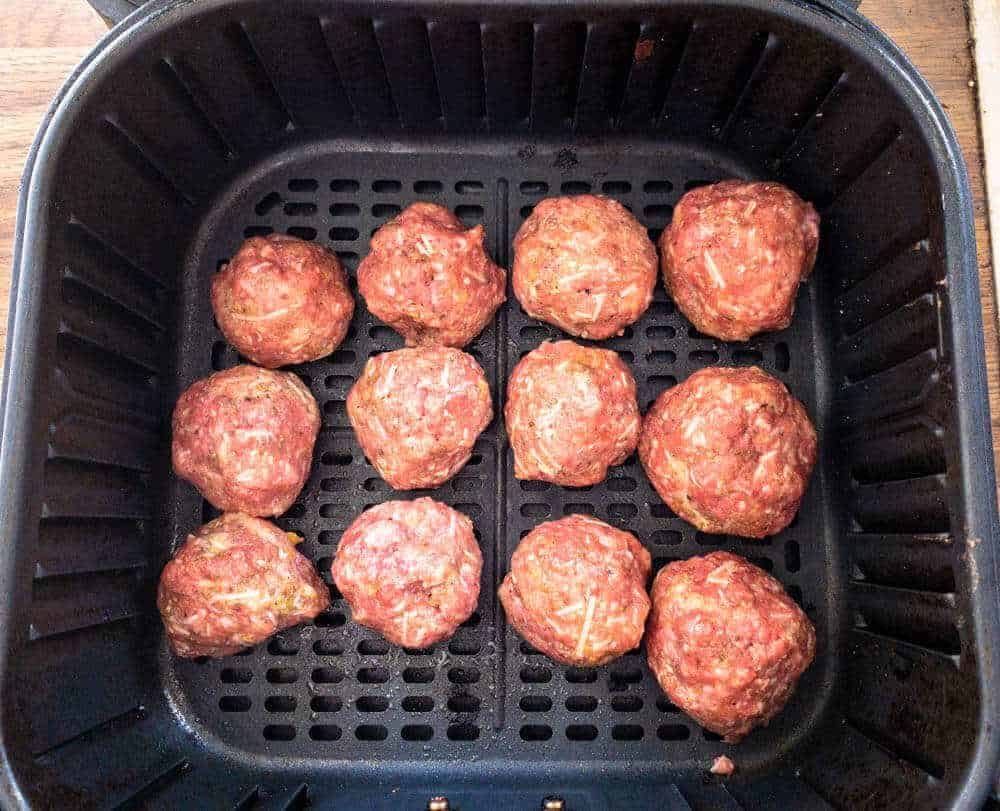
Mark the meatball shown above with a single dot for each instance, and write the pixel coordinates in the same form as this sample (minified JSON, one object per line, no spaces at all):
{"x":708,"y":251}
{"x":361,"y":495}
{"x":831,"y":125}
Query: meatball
{"x":576,"y":590}
{"x":244,"y":437}
{"x":410,"y":570}
{"x":233,"y":583}
{"x":282,"y":300}
{"x":730,"y":451}
{"x":726,"y":643}
{"x":584,"y":264}
{"x":734,"y":255}
{"x":571,"y":414}
{"x":430,"y":278}
{"x":417,"y":413}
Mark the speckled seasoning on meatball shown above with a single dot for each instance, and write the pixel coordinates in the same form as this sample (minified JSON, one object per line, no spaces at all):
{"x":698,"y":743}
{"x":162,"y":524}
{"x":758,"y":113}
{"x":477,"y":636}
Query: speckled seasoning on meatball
{"x":282,"y":300}
{"x":234,"y":583}
{"x":430,"y":278}
{"x":417,"y":413}
{"x":584,"y":264}
{"x":726,"y":643}
{"x":410,"y":570}
{"x":734,"y":255}
{"x":729,"y":450}
{"x":244,"y":437}
{"x":576,"y":590}
{"x":571,"y":414}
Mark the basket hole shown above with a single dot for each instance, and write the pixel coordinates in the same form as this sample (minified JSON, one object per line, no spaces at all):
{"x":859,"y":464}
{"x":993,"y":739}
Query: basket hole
{"x":473,"y":620}
{"x":302,"y":232}
{"x":326,"y":704}
{"x":623,"y":512}
{"x":535,"y":674}
{"x":795,"y":593}
{"x":463,"y":675}
{"x":708,"y":539}
{"x":343,"y":356}
{"x":282,"y":675}
{"x":536,"y":703}
{"x":375,"y":485}
{"x":627,"y":732}
{"x":469,"y":187}
{"x":330,"y":620}
{"x":660,"y":332}
{"x":704,"y":356}
{"x":464,"y":703}
{"x":372,"y":704}
{"x":463,"y":732}
{"x":464,"y":647}
{"x":529,"y":650}
{"x":664,"y":704}
{"x":341,"y":185}
{"x":696,"y":183}
{"x":222,"y":356}
{"x":469,"y":215}
{"x":325,"y":732}
{"x":343,"y":234}
{"x":708,"y":735}
{"x":417,"y":704}
{"x":279,"y":732}
{"x":792,"y":558}
{"x":581,"y":703}
{"x":534,"y":187}
{"x":373,"y":647}
{"x":534,"y":486}
{"x":577,"y":508}
{"x":300,"y":209}
{"x":282,"y":647}
{"x":616,"y":187}
{"x":658,"y":187}
{"x":782,"y":358}
{"x":416,"y":732}
{"x":536,"y":732}
{"x":748,"y":357}
{"x":535,"y":510}
{"x":303,"y":184}
{"x":257,"y":231}
{"x":575,"y":187}
{"x":328,"y":675}
{"x":624,"y":484}
{"x":234,"y":703}
{"x":427,"y":186}
{"x":371,"y":732}
{"x":661,"y":356}
{"x":373,"y":675}
{"x":418,"y":675}
{"x":385,"y":186}
{"x":620,"y":680}
{"x":579,"y":675}
{"x":660,"y":212}
{"x":673,"y":732}
{"x":474,"y":460}
{"x":338,"y":459}
{"x":761,"y":562}
{"x":349,"y":259}
{"x":385,"y":210}
{"x":581,"y":732}
{"x":666,"y":537}
{"x":626,"y":703}
{"x":344,"y":210}
{"x":535,"y":332}
{"x":280,"y":704}
{"x":327,"y":647}
{"x":268,"y":204}
{"x":661,"y":511}
{"x":525,"y":211}
{"x":654,"y":234}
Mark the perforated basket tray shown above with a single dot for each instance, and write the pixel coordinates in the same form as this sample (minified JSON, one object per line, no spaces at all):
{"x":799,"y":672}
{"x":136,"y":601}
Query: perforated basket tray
{"x":325,"y":120}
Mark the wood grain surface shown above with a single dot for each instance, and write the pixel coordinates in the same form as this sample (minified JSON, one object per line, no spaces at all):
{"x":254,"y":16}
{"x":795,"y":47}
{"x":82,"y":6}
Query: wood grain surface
{"x":41,"y":42}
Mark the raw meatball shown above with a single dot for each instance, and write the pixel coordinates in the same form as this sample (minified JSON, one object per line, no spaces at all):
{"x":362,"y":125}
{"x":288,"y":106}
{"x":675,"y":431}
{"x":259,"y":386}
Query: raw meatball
{"x":571,"y":414}
{"x":726,"y":643}
{"x":584,"y":264}
{"x":410,"y":570}
{"x":235,"y":582}
{"x":430,"y":279}
{"x":282,"y":300}
{"x":244,"y":437}
{"x":576,"y":590}
{"x":729,"y":450}
{"x":734,"y":255}
{"x":417,"y":413}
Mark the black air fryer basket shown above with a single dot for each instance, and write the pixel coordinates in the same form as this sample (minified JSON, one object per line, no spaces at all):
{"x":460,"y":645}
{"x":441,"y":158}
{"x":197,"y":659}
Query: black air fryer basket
{"x":197,"y":124}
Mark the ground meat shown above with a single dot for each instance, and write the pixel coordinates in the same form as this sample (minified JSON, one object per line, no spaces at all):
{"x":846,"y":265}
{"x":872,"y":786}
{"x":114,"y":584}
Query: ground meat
{"x":729,"y":450}
{"x":235,"y":582}
{"x":410,"y":570}
{"x":417,"y":413}
{"x":430,"y":279}
{"x":584,"y":264}
{"x":244,"y":437}
{"x":734,"y":255}
{"x":576,"y":590}
{"x":571,"y":414}
{"x":723,"y":766}
{"x":726,"y":643}
{"x":281,"y":300}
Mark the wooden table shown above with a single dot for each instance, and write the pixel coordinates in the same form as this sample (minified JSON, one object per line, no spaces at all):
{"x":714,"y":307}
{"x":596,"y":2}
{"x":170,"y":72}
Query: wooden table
{"x":41,"y":42}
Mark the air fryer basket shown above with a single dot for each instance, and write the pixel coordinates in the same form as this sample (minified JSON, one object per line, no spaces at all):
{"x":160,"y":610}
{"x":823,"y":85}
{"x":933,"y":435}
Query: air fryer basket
{"x":198,"y":124}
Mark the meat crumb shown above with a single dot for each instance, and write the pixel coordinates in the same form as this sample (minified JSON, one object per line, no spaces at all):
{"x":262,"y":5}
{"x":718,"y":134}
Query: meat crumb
{"x":723,"y":765}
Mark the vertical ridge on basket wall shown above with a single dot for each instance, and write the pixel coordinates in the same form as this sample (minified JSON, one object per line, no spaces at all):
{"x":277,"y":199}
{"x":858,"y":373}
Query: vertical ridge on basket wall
{"x":507,"y":73}
{"x":556,"y":66}
{"x":658,"y":52}
{"x":608,"y":55}
{"x":355,"y":52}
{"x":457,"y":52}
{"x":405,"y":51}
